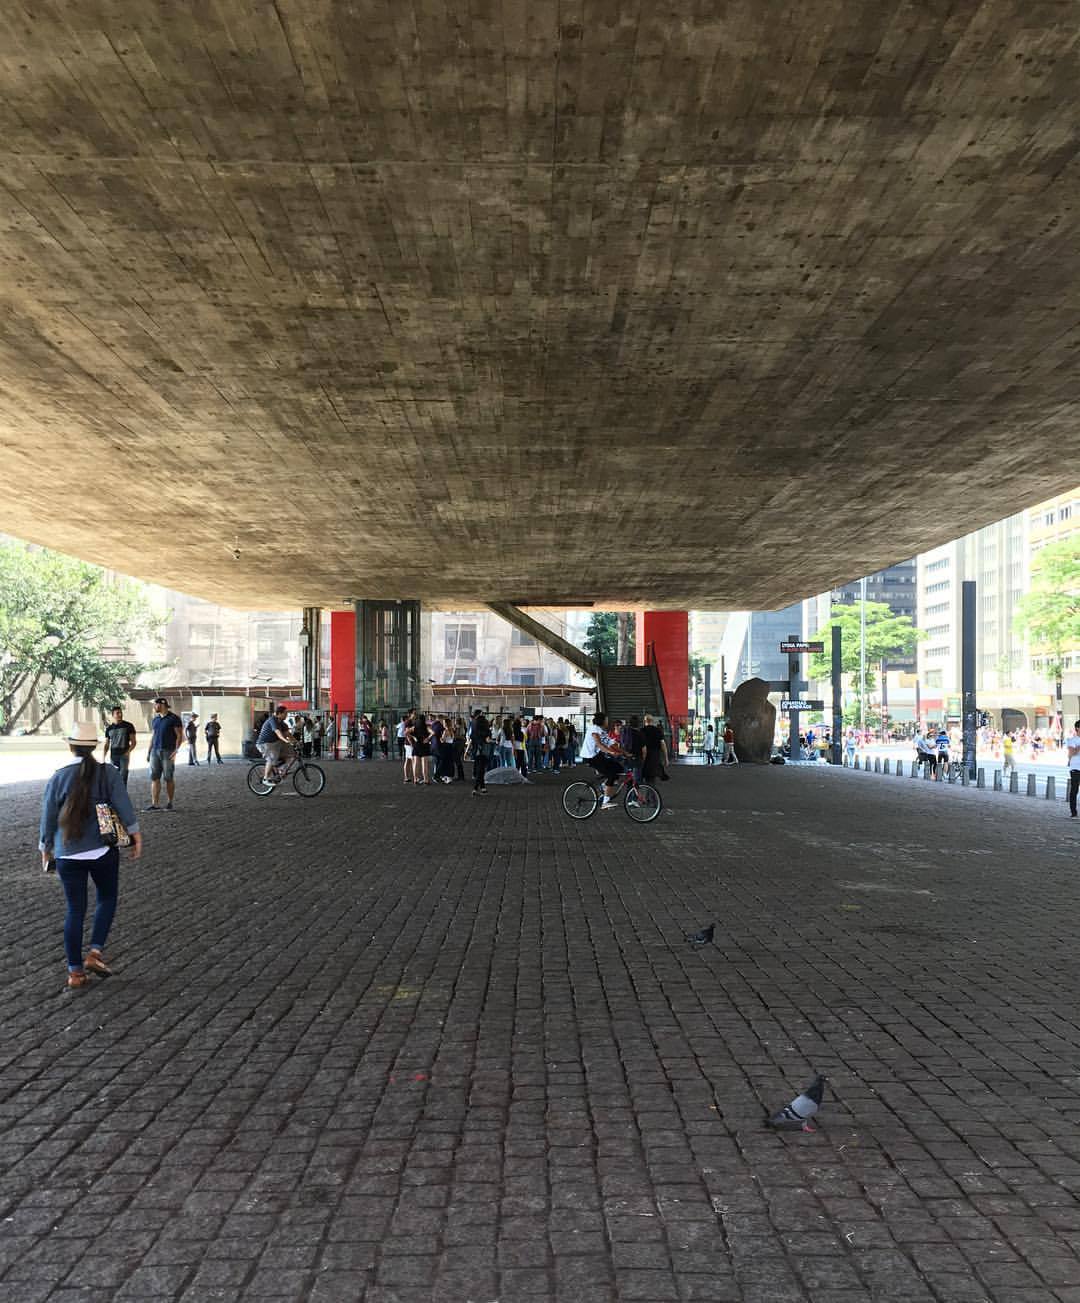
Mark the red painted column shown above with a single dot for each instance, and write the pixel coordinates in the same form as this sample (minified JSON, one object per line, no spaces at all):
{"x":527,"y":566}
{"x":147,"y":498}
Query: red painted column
{"x":343,"y":660}
{"x":669,"y":633}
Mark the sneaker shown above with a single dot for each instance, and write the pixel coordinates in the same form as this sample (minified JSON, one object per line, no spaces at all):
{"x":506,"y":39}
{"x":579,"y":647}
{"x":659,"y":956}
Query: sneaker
{"x":168,"y":805}
{"x":150,"y":807}
{"x":609,"y":803}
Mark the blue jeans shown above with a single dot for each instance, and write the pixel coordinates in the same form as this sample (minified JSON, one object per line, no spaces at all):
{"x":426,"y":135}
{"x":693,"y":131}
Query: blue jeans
{"x":123,"y":763}
{"x":536,"y":755}
{"x":506,"y":758}
{"x":74,"y":875}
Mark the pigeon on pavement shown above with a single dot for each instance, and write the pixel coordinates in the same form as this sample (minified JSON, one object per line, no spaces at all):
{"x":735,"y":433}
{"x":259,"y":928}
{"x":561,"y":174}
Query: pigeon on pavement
{"x":702,"y":938}
{"x":796,"y":1115}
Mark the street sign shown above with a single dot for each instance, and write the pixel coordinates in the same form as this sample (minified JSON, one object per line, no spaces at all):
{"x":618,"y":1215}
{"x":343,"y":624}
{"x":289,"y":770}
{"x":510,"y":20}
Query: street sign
{"x":794,"y":703}
{"x":817,"y":647}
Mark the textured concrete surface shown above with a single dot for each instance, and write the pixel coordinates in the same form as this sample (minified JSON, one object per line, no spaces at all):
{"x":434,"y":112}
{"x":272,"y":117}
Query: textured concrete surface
{"x":524,"y":277}
{"x":399,"y":1045}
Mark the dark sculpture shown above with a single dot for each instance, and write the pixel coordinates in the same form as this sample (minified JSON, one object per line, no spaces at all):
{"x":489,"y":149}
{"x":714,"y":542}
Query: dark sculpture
{"x":753,"y":717}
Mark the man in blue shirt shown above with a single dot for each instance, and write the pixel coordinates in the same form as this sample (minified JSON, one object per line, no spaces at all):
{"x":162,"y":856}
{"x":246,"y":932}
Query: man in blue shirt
{"x":167,"y":736}
{"x":275,"y":742}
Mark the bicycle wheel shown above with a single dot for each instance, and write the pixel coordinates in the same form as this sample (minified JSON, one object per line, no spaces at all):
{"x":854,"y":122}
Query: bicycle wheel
{"x":580,"y":800}
{"x":642,"y":803}
{"x":309,"y":780}
{"x":256,"y":782}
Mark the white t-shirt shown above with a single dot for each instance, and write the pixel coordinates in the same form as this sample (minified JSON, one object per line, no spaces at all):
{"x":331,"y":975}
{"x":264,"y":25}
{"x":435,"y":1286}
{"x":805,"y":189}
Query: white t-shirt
{"x":1073,"y":743}
{"x":589,"y":747}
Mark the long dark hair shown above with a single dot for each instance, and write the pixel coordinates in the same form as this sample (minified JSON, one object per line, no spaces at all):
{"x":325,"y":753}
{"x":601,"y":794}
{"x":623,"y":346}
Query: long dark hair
{"x":76,"y":809}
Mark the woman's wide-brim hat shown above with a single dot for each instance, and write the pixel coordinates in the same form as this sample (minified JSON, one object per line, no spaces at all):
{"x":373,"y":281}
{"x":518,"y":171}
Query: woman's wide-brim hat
{"x":84,"y":735}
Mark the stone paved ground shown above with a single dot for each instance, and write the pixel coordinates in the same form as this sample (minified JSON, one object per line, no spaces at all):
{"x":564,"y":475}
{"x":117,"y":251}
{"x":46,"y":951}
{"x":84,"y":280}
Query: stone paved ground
{"x":403,"y":1045}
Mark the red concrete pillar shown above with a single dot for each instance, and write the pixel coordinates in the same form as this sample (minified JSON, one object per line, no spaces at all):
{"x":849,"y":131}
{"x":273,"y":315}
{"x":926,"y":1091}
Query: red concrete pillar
{"x":669,"y":634}
{"x":343,"y":660}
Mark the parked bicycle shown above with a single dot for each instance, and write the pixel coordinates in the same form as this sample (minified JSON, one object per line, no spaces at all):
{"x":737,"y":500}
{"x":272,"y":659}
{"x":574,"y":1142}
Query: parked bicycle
{"x":308,"y":779}
{"x":641,"y":802}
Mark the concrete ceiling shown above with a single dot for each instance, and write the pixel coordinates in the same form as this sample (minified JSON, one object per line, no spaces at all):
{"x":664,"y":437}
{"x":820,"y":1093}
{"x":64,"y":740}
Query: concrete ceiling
{"x":681,"y":304}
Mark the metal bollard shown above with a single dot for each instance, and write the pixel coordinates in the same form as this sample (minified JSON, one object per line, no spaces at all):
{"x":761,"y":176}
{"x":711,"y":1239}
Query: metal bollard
{"x":899,"y":769}
{"x":928,"y":773}
{"x":1031,"y":785}
{"x":885,"y":766}
{"x":845,"y":763}
{"x":1014,"y":782}
{"x":997,"y":780}
{"x":914,"y":769}
{"x":980,"y":778}
{"x":965,"y":777}
{"x":877,"y":764}
{"x":1051,"y":789}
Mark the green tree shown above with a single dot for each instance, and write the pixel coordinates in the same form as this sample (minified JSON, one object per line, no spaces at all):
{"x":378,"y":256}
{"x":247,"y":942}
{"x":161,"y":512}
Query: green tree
{"x":59,"y":621}
{"x":887,"y":635}
{"x":602,"y":638}
{"x":1049,"y":614}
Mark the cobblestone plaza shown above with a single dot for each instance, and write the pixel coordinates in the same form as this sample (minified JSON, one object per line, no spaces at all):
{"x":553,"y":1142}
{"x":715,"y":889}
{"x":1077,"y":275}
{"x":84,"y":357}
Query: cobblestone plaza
{"x":406,"y":1046}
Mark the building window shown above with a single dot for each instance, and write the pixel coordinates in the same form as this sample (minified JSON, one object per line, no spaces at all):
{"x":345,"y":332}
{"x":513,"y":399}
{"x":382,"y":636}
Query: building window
{"x":1065,"y":512}
{"x":938,"y":630}
{"x":519,"y":638}
{"x":464,"y":675}
{"x":200,"y":635}
{"x":523,"y":677}
{"x":932,"y":679}
{"x":461,"y":642}
{"x":1048,"y":519}
{"x":935,"y":653}
{"x":938,"y":609}
{"x":940,"y":564}
{"x":939,"y":587}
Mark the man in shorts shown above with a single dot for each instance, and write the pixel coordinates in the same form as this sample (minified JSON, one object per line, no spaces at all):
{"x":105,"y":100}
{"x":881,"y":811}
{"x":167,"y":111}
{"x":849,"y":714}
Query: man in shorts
{"x":275,"y":741}
{"x":600,"y":750}
{"x":168,"y":735}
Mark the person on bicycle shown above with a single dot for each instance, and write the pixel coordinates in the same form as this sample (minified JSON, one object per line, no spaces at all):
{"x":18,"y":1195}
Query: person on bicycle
{"x":275,"y":741}
{"x":600,"y":750}
{"x":941,"y":743}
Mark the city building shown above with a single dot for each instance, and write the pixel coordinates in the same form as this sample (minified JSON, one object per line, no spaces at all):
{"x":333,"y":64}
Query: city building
{"x":896,"y":587}
{"x":467,"y":650}
{"x":997,"y":558}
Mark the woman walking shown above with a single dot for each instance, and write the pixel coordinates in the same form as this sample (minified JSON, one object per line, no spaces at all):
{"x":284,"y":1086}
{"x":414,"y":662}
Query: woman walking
{"x":72,"y":843}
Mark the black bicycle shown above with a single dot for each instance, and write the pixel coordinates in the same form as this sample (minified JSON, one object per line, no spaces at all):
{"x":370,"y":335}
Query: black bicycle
{"x":641,"y":801}
{"x":308,"y":779}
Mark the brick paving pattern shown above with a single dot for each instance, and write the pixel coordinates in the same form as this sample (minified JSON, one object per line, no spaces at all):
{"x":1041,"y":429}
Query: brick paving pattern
{"x":396,"y":1045}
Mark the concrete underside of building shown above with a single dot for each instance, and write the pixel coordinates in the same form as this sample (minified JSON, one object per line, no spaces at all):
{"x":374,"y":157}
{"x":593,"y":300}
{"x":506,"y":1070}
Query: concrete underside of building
{"x":459,"y":304}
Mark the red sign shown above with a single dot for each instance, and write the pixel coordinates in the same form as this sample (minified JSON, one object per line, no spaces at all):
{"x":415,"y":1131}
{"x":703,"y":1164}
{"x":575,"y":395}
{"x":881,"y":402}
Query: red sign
{"x":295,"y":705}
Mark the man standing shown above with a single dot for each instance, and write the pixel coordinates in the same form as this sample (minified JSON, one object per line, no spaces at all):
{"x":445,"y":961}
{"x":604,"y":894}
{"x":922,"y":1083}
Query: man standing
{"x":119,"y":742}
{"x":191,"y":732}
{"x":709,"y":744}
{"x":729,"y":745}
{"x":1072,"y":745}
{"x":479,"y":743}
{"x":164,"y":743}
{"x":213,"y":733}
{"x":654,"y":752}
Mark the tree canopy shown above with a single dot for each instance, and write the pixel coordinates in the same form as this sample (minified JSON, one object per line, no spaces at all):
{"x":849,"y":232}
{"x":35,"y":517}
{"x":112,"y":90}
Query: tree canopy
{"x":65,"y":633}
{"x":1050,"y":612}
{"x":887,"y":635}
{"x":602,"y":637}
